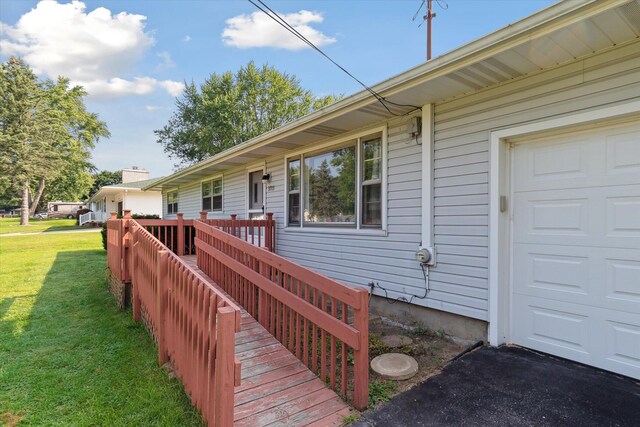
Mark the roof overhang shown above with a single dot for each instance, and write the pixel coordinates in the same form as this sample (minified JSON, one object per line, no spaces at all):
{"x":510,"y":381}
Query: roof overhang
{"x":109,"y":190}
{"x":557,"y":35}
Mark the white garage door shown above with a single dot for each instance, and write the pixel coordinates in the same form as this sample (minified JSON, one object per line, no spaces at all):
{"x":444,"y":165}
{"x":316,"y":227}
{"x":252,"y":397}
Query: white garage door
{"x":576,"y":246}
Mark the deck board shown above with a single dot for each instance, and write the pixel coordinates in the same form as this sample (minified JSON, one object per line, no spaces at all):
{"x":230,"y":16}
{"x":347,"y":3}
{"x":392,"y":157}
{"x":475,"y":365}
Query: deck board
{"x":276,"y":388}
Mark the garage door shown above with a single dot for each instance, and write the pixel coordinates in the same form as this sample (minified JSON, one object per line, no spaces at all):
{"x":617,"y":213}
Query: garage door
{"x":576,"y":246}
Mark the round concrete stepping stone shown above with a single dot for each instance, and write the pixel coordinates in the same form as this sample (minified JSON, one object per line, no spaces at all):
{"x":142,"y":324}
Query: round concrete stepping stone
{"x":395,"y":341}
{"x":395,"y":366}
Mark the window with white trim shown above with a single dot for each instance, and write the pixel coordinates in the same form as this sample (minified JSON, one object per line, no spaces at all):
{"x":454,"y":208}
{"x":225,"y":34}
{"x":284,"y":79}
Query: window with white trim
{"x":372,"y":183}
{"x":294,"y":192}
{"x":172,"y":202}
{"x":340,"y":186}
{"x":212,"y":195}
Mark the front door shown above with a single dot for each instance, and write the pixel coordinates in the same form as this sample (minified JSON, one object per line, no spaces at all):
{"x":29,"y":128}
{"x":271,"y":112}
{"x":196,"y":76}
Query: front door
{"x":256,"y":195}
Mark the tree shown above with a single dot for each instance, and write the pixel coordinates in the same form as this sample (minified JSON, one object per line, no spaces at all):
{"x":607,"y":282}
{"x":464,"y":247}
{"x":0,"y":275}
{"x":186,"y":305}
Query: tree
{"x":229,"y":109}
{"x":344,"y":162}
{"x":103,"y":178}
{"x":45,"y":131}
{"x":73,"y":185}
{"x":324,"y":202}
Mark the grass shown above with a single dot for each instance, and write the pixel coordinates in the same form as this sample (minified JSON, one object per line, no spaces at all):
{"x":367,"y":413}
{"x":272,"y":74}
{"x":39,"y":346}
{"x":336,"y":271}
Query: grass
{"x":350,"y":419}
{"x":12,"y":225}
{"x":68,"y":355}
{"x":380,"y":391}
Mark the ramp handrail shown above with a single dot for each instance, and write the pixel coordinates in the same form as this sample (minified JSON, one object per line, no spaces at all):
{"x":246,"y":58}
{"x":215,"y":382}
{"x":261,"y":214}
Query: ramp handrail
{"x":193,"y":323}
{"x":324,"y":323}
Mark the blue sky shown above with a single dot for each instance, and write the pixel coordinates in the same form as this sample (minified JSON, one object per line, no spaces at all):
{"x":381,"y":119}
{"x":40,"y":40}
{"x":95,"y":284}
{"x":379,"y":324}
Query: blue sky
{"x":133,"y":55}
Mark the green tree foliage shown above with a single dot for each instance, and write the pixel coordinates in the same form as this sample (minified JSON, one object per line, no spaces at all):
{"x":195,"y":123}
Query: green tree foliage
{"x":45,"y":132}
{"x":103,"y":178}
{"x":229,"y":109}
{"x":72,"y":185}
{"x":324,"y":202}
{"x":344,"y":161}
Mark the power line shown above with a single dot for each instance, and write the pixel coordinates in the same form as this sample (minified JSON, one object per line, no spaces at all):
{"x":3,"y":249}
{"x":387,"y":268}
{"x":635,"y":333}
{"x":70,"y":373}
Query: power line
{"x":283,"y":23}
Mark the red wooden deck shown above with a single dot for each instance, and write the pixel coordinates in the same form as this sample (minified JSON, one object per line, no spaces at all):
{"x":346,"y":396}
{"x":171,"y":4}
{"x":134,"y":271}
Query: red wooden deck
{"x":276,"y":387}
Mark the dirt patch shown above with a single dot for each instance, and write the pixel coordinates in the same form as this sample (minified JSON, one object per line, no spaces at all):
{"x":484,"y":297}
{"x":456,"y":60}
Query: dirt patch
{"x":10,"y":419}
{"x":432,"y":350}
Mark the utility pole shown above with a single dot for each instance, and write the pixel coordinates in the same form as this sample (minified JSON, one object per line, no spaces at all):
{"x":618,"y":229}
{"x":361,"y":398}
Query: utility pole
{"x":428,"y":17}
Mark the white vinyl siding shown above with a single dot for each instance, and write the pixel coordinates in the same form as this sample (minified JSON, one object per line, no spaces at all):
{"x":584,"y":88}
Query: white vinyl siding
{"x":459,"y":281}
{"x":461,"y":156}
{"x":354,"y":258}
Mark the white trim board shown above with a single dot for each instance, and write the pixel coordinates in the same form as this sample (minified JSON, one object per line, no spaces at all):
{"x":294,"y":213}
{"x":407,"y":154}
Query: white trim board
{"x":427,"y":176}
{"x":499,"y":248}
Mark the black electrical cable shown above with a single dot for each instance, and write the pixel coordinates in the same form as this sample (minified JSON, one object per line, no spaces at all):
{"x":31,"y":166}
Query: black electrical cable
{"x":373,"y":285}
{"x":283,"y":23}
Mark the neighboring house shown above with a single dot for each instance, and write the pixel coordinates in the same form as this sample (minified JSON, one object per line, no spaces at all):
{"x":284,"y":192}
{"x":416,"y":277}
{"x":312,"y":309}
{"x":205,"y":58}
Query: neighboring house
{"x":126,"y":195}
{"x":519,"y":172}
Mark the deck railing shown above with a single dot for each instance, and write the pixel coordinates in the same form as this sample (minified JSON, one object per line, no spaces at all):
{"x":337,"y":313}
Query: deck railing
{"x":116,"y":248}
{"x":322,"y":322}
{"x":86,"y":218}
{"x":258,"y":232}
{"x":194,"y":324}
{"x":176,"y":234}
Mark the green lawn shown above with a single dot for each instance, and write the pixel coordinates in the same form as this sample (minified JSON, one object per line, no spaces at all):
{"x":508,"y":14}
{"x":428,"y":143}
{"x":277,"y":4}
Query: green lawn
{"x":68,"y":355}
{"x":12,"y":225}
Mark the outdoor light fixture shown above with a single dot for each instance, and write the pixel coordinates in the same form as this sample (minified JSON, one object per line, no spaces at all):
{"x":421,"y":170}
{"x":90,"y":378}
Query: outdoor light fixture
{"x":266,"y":178}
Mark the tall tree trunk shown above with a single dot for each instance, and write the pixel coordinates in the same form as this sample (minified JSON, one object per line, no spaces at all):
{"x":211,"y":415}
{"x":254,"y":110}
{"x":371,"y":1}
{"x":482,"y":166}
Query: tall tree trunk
{"x":24,"y":211}
{"x":36,"y":199}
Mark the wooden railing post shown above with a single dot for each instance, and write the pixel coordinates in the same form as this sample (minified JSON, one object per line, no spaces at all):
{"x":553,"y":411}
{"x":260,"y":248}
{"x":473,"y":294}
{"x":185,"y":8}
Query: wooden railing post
{"x":225,"y":367}
{"x":114,"y":215}
{"x":203,"y":215}
{"x":135,"y":286}
{"x":180,"y":234}
{"x":268,"y":232}
{"x":234,"y":224}
{"x":162,"y":277}
{"x":361,"y":355}
{"x":126,"y":271}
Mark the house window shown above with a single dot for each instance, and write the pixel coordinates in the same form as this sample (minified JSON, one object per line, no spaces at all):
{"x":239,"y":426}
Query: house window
{"x":372,"y":183}
{"x":172,"y":202}
{"x":341,"y":187}
{"x":330,"y":187}
{"x":294,"y":192}
{"x":212,"y":195}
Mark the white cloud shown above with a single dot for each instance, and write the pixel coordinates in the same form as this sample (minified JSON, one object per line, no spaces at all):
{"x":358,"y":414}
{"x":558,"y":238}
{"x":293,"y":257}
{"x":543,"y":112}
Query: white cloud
{"x":153,"y":107}
{"x":186,"y":38}
{"x":115,"y":87}
{"x":172,"y":87}
{"x":95,"y":49}
{"x":258,"y":30}
{"x":166,"y":63}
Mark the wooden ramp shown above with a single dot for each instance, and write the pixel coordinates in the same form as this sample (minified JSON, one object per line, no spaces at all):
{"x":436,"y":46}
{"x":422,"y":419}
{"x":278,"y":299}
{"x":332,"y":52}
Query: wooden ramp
{"x":276,"y":388}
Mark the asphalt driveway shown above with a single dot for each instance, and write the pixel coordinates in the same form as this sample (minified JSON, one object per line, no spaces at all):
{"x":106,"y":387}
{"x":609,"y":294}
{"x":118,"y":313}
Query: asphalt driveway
{"x":511,"y":386}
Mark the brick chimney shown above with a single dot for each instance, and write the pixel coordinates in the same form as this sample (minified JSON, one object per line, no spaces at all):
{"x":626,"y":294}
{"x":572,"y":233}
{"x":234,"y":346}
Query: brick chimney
{"x":134,"y":174}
